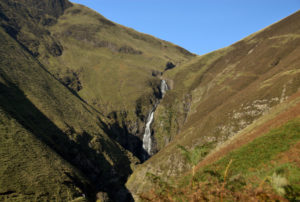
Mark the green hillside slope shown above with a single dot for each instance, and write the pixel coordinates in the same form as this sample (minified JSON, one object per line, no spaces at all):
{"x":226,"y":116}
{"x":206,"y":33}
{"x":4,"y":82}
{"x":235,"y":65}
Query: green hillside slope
{"x":113,"y":62}
{"x":30,"y":170}
{"x":36,"y":104}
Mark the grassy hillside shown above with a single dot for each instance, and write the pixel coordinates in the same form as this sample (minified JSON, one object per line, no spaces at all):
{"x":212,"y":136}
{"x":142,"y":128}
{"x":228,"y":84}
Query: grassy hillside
{"x":76,"y":88}
{"x":219,"y":94}
{"x":114,"y":63}
{"x":267,"y":168}
{"x":31,"y":171}
{"x":79,"y":87}
{"x":69,"y":132}
{"x":109,"y":66}
{"x":235,"y":85}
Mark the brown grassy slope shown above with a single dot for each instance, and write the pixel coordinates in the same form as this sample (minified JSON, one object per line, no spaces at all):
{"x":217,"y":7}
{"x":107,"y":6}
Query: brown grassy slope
{"x":223,"y":92}
{"x":261,"y":126}
{"x":274,"y":118}
{"x":51,"y":117}
{"x":255,"y":69}
{"x":263,"y":169}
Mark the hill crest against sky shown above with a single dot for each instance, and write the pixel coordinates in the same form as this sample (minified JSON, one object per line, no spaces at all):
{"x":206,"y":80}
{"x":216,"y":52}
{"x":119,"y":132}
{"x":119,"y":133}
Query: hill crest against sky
{"x":198,"y":26}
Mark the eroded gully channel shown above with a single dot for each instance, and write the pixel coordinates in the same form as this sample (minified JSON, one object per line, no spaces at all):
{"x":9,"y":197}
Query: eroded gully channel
{"x":147,"y":136}
{"x":142,"y":147}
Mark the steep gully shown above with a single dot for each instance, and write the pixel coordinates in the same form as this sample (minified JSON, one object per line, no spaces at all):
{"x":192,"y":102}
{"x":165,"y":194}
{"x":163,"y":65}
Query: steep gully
{"x":142,"y":146}
{"x":147,"y":137}
{"x":137,"y":137}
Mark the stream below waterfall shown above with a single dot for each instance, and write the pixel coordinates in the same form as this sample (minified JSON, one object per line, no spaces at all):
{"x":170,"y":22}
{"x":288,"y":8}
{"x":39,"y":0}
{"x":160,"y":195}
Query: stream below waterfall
{"x":147,"y":141}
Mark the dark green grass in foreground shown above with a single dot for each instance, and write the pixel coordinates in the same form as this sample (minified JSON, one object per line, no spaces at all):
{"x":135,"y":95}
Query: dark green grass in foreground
{"x":257,"y":160}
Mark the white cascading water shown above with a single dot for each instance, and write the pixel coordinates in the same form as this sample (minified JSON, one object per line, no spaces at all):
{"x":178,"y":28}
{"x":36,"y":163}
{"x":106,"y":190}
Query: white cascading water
{"x":147,"y":142}
{"x":163,"y":88}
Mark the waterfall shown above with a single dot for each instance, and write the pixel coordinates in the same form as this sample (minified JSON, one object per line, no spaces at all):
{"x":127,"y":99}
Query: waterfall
{"x":163,"y":88}
{"x":147,"y":142}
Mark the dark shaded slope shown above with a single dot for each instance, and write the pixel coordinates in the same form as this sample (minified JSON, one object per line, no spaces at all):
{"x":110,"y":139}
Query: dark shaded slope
{"x":50,"y":113}
{"x":30,"y":169}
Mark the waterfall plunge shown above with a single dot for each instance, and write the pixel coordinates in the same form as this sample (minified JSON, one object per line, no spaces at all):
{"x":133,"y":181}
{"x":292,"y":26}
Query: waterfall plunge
{"x":163,"y":88}
{"x":147,"y":142}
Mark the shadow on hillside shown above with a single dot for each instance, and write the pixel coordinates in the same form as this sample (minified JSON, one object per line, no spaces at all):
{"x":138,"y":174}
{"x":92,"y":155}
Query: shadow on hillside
{"x":93,"y":164}
{"x":132,"y":143}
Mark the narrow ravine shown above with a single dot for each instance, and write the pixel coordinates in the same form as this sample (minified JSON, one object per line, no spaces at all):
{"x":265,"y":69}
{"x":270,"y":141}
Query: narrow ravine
{"x":147,"y":139}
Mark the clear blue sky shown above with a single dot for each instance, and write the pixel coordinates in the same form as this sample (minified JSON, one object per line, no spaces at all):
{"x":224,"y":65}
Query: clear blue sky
{"x":200,"y":26}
